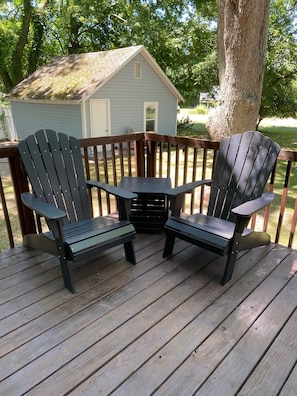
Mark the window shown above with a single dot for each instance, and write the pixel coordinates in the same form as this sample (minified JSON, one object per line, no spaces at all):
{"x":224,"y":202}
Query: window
{"x":151,"y":116}
{"x":137,"y":70}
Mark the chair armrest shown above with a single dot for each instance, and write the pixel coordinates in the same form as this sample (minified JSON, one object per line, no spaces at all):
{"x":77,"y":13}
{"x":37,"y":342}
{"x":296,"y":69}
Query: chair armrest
{"x":187,"y":188}
{"x":116,"y":191}
{"x":250,"y":207}
{"x":176,"y":195}
{"x":44,"y":209}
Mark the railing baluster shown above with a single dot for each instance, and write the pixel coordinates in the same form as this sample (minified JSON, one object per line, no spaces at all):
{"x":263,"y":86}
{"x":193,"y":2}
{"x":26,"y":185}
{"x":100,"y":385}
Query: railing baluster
{"x":203,"y":176}
{"x":176,"y":169}
{"x":161,"y":159}
{"x":283,"y":201}
{"x":128,"y":148}
{"x":114,"y":165}
{"x":194,"y":177}
{"x":98,"y":178}
{"x":6,"y":215}
{"x":293,"y":225}
{"x":185,"y":176}
{"x":182,"y":159}
{"x":121,"y":158}
{"x":168,"y":159}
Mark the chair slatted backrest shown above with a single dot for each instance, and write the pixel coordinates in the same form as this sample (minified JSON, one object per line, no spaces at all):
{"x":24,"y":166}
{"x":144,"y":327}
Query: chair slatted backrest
{"x":243,"y":166}
{"x":54,"y":166}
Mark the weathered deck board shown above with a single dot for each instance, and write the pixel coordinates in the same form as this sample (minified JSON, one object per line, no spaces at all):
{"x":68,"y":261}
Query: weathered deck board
{"x":227,"y":326}
{"x":163,"y":327}
{"x":290,"y":386}
{"x":245,"y":355}
{"x":276,"y":363}
{"x":196,"y":332}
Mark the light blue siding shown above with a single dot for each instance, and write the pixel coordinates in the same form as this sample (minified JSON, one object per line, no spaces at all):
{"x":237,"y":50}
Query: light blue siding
{"x":29,"y":117}
{"x":127,"y":96}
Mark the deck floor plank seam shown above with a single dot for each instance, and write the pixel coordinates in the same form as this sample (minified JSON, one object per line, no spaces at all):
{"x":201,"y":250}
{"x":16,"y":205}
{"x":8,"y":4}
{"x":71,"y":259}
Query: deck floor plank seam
{"x":164,"y":326}
{"x":106,"y":306}
{"x":196,"y":332}
{"x":290,"y":384}
{"x":276,"y":363}
{"x":67,"y":302}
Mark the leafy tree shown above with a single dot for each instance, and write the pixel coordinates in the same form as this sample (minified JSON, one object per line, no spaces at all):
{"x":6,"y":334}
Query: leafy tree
{"x":180,"y":34}
{"x":279,"y":97}
{"x":173,"y":32}
{"x":21,"y":34}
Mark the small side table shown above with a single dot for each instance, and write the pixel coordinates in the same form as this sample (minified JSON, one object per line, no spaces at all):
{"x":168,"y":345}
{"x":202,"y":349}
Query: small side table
{"x":149,"y":212}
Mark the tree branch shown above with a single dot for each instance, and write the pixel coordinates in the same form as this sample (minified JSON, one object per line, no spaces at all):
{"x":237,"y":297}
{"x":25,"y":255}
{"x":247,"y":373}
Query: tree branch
{"x":17,"y":72}
{"x":6,"y":79}
{"x":38,"y":34}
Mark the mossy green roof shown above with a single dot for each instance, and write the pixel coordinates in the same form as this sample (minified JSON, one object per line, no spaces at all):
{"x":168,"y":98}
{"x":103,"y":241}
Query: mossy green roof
{"x":73,"y":77}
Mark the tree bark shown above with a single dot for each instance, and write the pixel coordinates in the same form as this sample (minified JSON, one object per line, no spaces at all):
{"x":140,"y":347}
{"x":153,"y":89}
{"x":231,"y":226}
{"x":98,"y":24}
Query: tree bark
{"x":242,"y":42}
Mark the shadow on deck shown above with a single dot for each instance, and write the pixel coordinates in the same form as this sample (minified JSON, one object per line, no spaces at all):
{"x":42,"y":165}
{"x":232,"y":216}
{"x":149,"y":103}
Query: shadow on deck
{"x":164,"y":327}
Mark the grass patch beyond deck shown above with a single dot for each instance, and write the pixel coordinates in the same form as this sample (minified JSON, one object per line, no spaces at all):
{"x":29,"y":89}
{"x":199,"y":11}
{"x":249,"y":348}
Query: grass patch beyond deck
{"x":281,"y":130}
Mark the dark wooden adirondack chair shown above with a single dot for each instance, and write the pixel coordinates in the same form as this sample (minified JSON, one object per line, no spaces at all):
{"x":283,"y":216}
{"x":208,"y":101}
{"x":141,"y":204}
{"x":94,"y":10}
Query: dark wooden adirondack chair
{"x":243,"y":166}
{"x":54,"y":166}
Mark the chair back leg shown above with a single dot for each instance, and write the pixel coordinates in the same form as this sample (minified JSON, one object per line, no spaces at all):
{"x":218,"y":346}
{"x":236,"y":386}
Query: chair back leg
{"x":169,"y":243}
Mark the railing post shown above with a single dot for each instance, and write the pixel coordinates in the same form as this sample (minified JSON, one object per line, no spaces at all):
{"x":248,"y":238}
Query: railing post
{"x":139,"y":152}
{"x":20,"y":183}
{"x":151,"y":155}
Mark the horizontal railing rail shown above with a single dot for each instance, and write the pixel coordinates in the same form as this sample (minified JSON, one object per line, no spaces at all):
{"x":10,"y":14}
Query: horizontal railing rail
{"x":182,"y":159}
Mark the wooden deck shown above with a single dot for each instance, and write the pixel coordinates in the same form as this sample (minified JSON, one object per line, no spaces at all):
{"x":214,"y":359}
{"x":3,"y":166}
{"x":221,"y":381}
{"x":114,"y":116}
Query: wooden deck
{"x":164,"y":327}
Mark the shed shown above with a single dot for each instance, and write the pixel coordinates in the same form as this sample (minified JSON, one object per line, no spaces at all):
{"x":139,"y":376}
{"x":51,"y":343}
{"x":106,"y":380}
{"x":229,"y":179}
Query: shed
{"x":97,"y":94}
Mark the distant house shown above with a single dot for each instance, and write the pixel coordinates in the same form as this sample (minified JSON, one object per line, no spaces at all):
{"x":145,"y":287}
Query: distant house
{"x":97,"y":94}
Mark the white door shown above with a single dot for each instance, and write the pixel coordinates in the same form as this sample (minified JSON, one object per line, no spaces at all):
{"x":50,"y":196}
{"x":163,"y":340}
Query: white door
{"x":100,"y":120}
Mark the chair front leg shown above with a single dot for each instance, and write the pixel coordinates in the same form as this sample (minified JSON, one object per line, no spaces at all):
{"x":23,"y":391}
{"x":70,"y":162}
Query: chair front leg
{"x":175,"y":204}
{"x":229,"y":266}
{"x":169,"y":244}
{"x":56,"y":228}
{"x":129,"y":252}
{"x":241,"y":223}
{"x":66,"y":273}
{"x":124,"y":208}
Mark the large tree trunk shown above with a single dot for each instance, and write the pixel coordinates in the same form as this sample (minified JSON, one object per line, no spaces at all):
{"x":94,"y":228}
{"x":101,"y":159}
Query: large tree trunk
{"x":242,"y":39}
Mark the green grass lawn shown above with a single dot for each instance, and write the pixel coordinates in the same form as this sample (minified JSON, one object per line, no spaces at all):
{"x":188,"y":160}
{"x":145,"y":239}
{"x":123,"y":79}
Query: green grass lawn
{"x":282,"y":131}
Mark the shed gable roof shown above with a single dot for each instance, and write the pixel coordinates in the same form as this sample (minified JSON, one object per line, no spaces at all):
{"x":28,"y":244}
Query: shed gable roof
{"x":75,"y":77}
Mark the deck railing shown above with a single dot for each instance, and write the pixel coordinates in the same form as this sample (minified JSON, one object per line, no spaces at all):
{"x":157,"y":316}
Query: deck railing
{"x":150,"y":154}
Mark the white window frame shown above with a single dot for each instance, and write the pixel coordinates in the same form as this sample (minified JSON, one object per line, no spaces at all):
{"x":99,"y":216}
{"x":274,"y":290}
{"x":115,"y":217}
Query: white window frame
{"x":156,"y":106}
